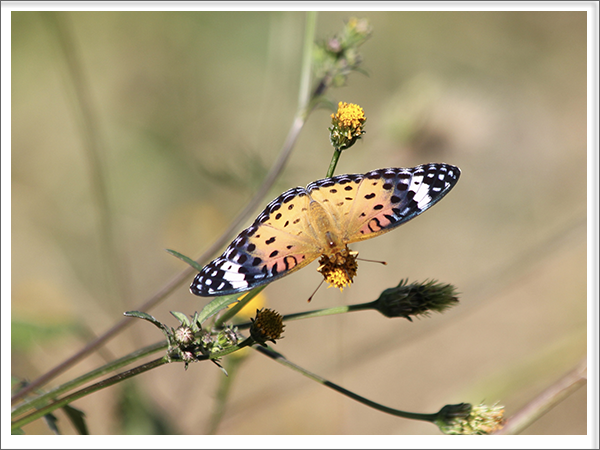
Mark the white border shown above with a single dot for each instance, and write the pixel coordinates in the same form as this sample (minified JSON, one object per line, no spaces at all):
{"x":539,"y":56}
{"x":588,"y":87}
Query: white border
{"x":267,"y":442}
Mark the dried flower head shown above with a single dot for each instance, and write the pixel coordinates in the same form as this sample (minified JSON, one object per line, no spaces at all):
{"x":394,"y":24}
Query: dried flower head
{"x":266,"y":326}
{"x":481,"y":419}
{"x":339,"y":269}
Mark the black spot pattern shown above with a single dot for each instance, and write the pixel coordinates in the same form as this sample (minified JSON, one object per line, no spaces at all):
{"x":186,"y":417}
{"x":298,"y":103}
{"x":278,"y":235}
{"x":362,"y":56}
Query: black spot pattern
{"x":413,"y":191}
{"x":245,"y":264}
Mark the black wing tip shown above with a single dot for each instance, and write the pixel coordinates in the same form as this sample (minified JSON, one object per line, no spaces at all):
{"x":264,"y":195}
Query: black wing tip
{"x":195,"y":287}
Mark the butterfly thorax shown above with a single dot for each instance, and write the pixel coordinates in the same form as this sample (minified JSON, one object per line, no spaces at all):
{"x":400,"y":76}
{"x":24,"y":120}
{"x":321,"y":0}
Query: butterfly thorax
{"x":324,"y":230}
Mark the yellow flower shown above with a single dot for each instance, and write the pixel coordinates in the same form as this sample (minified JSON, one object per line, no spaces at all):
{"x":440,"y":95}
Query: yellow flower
{"x":347,"y":125}
{"x":349,"y":116}
{"x":340,"y":269}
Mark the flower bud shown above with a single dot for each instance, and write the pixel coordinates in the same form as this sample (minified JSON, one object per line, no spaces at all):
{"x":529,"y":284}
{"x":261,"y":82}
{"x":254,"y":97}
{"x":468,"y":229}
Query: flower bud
{"x":267,"y":326}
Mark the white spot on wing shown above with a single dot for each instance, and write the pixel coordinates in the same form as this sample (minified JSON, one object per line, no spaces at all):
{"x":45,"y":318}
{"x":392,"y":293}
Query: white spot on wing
{"x":422,"y":196}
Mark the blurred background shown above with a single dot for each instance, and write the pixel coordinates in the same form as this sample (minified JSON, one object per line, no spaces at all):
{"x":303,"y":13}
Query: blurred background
{"x":188,"y":112}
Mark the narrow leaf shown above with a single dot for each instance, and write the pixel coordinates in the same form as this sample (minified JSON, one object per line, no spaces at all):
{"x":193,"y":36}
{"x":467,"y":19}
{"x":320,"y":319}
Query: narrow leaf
{"x":216,"y":305}
{"x":149,"y":318}
{"x":77,"y":418}
{"x":51,"y":422}
{"x":181,"y":317}
{"x":185,"y":259}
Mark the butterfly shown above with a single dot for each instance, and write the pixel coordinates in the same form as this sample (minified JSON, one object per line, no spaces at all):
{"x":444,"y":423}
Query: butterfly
{"x":319,"y":221}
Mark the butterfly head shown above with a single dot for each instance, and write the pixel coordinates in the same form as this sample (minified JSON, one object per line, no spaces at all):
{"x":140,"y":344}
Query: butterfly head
{"x":339,"y":268}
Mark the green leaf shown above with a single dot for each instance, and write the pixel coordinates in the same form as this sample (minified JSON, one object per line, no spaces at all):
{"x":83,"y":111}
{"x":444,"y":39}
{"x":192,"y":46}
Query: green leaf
{"x":216,"y":305}
{"x":51,"y":422}
{"x":181,"y":317}
{"x":185,"y":259}
{"x":243,"y":302}
{"x":77,"y":418}
{"x":149,"y":318}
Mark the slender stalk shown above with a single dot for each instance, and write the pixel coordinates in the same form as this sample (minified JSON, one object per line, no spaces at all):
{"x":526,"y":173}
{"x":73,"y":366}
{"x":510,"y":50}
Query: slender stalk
{"x":319,"y":313}
{"x":334,"y":160}
{"x":88,"y":390}
{"x":546,"y":400}
{"x":288,"y":145}
{"x":43,"y":399}
{"x":395,"y":412}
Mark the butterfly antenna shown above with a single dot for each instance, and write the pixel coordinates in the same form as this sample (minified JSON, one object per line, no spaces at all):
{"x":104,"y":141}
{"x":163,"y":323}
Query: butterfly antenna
{"x":313,"y":294}
{"x":373,"y":261}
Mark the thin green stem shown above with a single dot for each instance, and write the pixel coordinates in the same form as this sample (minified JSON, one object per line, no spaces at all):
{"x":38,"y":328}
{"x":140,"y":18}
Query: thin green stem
{"x":319,"y":313}
{"x":334,"y":160}
{"x":395,"y":412}
{"x":43,"y":399}
{"x":88,"y":390}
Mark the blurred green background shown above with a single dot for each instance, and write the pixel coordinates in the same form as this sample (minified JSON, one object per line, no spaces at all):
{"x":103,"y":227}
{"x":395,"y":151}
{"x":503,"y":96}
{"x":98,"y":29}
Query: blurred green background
{"x":189,"y":110}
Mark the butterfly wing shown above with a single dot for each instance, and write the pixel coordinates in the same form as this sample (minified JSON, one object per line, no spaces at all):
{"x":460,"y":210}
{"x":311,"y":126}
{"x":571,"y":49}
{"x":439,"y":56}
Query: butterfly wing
{"x":279,"y":242}
{"x":365,"y":206}
{"x":387,"y":198}
{"x":337,"y":196}
{"x":361,"y":206}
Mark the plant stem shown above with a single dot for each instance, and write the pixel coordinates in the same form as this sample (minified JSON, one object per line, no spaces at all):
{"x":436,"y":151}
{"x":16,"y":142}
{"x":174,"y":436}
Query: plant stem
{"x":334,"y":160}
{"x":319,"y":313}
{"x":395,"y":412}
{"x":546,"y":400}
{"x":43,"y":399}
{"x":88,"y":390}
